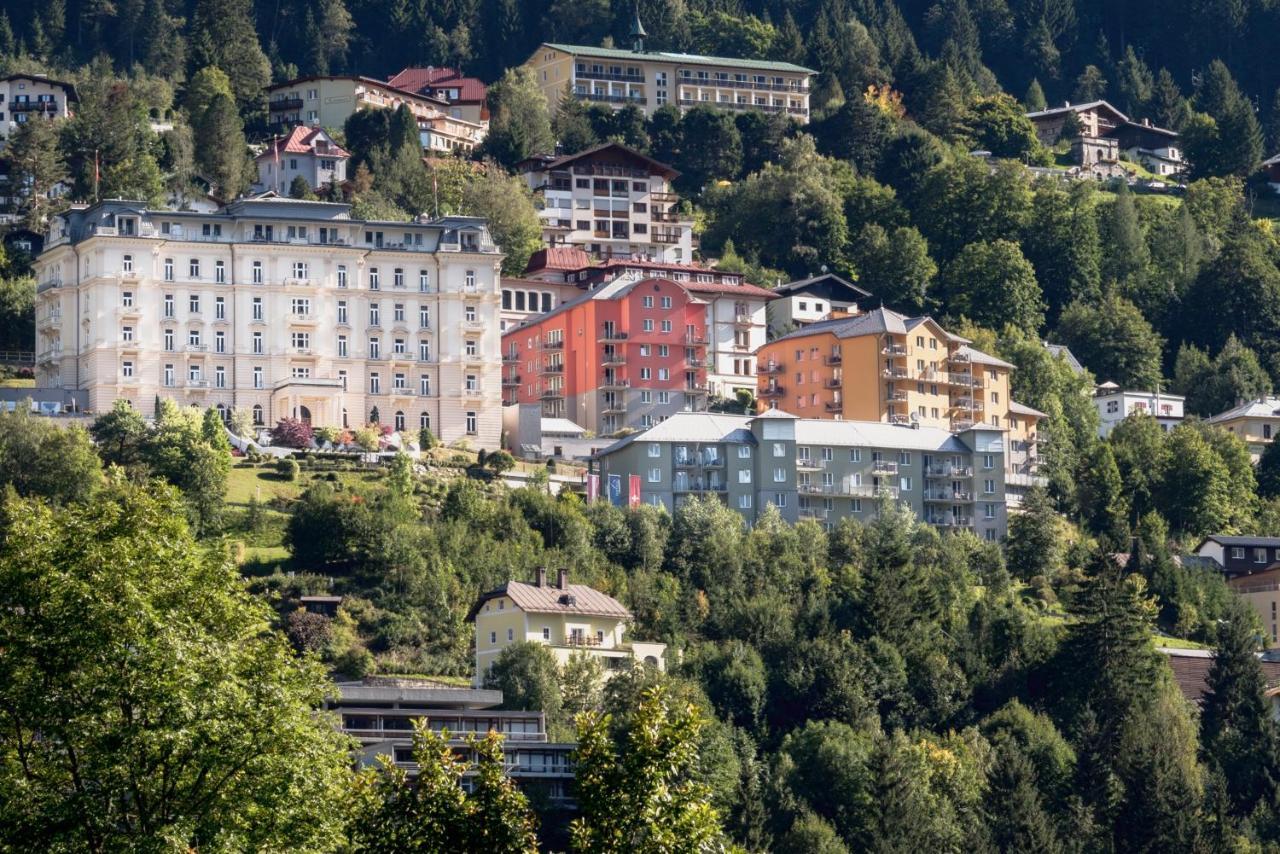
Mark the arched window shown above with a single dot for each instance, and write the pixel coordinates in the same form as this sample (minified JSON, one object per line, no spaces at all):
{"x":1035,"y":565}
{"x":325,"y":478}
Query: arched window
{"x":257,"y":414}
{"x":399,"y":420}
{"x":224,"y":413}
{"x":344,"y":418}
{"x":424,"y":421}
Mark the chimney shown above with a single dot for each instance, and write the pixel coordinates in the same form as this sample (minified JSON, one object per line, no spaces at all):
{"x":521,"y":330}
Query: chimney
{"x":562,"y":579}
{"x":1066,"y":103}
{"x":540,"y":578}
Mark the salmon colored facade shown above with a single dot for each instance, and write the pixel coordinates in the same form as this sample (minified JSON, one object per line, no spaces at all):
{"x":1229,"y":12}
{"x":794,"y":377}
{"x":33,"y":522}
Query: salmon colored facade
{"x":628,"y":354}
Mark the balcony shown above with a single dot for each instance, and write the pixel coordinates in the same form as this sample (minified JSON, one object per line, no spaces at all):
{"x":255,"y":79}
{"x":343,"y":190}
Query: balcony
{"x":898,"y":350}
{"x":284,"y":104}
{"x":884,"y":467}
{"x":834,"y":406}
{"x":33,"y":107}
{"x":615,"y":383}
{"x":553,"y":394}
{"x":769,"y":368}
{"x":833,"y":382}
{"x":810,"y":464}
{"x":609,"y":98}
{"x":897,"y":396}
{"x":50,"y":320}
{"x":513,"y":380}
{"x":697,"y":364}
{"x":612,"y":358}
{"x":698,"y":485}
{"x":899,"y":419}
{"x":48,"y":286}
{"x":833,"y":359}
{"x":613,"y":406}
{"x":610,"y":335}
{"x":772,"y":391}
{"x":961,"y":424}
{"x":509,"y":358}
{"x":743,"y":320}
{"x":703,"y":460}
{"x":959,"y":357}
{"x":588,"y":74}
{"x":950,"y":521}
{"x":695,"y":338}
{"x":198,"y":385}
{"x":894,"y":373}
{"x":475,"y":324}
{"x":696,"y":388}
{"x":553,"y":345}
{"x":303,"y":319}
{"x":553,"y":368}
{"x":797,"y":86}
{"x":47,"y":357}
{"x":948,"y":470}
{"x":661,"y":198}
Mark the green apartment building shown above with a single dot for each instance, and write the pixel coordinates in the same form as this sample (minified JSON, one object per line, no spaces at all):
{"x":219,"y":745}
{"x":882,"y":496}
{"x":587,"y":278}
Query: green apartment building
{"x":818,"y":469}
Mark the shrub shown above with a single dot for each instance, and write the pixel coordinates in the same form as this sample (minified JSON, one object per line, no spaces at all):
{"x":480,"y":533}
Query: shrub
{"x":367,"y":439}
{"x":426,"y":440}
{"x":326,"y":434}
{"x":309,"y":632}
{"x":287,"y":468}
{"x":501,"y":461}
{"x":292,"y":433}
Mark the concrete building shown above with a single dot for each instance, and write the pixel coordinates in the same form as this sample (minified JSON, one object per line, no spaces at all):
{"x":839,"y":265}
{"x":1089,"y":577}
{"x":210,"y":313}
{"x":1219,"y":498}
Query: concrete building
{"x":277,"y":307}
{"x":650,"y":80}
{"x":735,"y":314}
{"x":810,"y":300}
{"x":567,"y":618}
{"x":524,"y":299}
{"x":1103,"y":133}
{"x":309,"y":153}
{"x":1114,"y":404}
{"x":466,"y":96}
{"x":328,"y":101}
{"x":611,"y":201}
{"x":884,"y":366}
{"x":817,"y":469}
{"x":24,"y":97}
{"x":1256,"y":422}
{"x":380,"y":714}
{"x":1252,"y":569}
{"x":627,"y":354}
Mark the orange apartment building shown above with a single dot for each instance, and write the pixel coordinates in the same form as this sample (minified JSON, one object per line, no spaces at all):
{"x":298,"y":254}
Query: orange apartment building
{"x":627,"y":354}
{"x":883,"y":366}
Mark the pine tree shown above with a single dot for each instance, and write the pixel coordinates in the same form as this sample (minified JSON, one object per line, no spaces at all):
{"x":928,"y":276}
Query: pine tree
{"x":1090,"y":85}
{"x":36,"y":167}
{"x":1237,"y":732}
{"x":788,"y":44}
{"x":571,"y":124}
{"x":162,"y":47}
{"x":1239,"y":149}
{"x":1134,"y":82}
{"x":225,"y":35}
{"x":1217,"y":93}
{"x":220,"y":149}
{"x":1099,"y":494}
{"x":1169,"y":109}
{"x":1126,"y":257}
{"x":1015,"y":811}
{"x":1034,"y":99}
{"x":8,"y":45}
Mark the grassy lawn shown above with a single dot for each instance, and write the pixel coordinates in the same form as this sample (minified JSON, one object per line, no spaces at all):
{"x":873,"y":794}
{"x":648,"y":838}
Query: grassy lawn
{"x":244,"y":483}
{"x":1177,"y":643}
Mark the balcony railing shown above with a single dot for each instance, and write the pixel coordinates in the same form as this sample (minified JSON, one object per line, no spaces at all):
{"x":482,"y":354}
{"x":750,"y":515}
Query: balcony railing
{"x":769,"y":368}
{"x":834,"y":406}
{"x":33,"y":107}
{"x":282,"y":104}
{"x":772,"y":391}
{"x":609,"y":98}
{"x":553,"y":345}
{"x":796,"y":86}
{"x":833,"y":359}
{"x":894,"y":373}
{"x":588,"y":74}
{"x":884,"y":467}
{"x":608,"y":335}
{"x":698,"y":486}
{"x":895,"y":350}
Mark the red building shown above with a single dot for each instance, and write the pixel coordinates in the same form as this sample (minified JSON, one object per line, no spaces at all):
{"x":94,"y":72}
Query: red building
{"x":627,"y":354}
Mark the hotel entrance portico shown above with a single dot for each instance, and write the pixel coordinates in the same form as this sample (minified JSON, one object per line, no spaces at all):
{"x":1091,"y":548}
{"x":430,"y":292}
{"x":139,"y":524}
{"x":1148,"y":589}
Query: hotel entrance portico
{"x":317,"y":401}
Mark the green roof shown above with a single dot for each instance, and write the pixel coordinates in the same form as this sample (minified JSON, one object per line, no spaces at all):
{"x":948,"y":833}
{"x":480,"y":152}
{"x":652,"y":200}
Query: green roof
{"x":680,"y":58}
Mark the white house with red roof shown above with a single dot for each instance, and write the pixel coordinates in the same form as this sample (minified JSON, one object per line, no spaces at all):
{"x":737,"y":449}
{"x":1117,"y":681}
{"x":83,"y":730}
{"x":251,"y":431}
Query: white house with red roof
{"x":466,"y":96}
{"x":309,"y":153}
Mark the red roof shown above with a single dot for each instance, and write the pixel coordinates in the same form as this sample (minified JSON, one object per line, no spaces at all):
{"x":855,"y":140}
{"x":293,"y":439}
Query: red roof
{"x":301,"y":140}
{"x":417,"y":79}
{"x":743,"y":289}
{"x":558,"y":258}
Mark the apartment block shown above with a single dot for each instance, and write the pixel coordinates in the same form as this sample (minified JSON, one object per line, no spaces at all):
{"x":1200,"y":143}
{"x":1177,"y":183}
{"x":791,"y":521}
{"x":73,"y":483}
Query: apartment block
{"x":1256,"y":422}
{"x":810,"y":300}
{"x":650,"y":80}
{"x":1115,"y":404}
{"x":309,"y":153}
{"x":884,"y":366}
{"x":736,"y":316}
{"x":328,"y":101}
{"x":818,"y":469}
{"x":627,"y":354}
{"x":24,"y":97}
{"x":568,"y":619}
{"x":612,"y":201}
{"x":278,"y":307}
{"x":380,"y":713}
{"x":466,"y":96}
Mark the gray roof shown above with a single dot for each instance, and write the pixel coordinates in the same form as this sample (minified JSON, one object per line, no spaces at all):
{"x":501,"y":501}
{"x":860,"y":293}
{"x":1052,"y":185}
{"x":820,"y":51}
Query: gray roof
{"x":679,"y":58}
{"x":1063,"y":351}
{"x":1267,"y":407}
{"x":874,"y":322}
{"x":982,"y":358}
{"x":801,"y":284}
{"x":1075,"y":108}
{"x":572,"y":599}
{"x":1225,"y":540}
{"x":1022,"y":409}
{"x":562,"y":425}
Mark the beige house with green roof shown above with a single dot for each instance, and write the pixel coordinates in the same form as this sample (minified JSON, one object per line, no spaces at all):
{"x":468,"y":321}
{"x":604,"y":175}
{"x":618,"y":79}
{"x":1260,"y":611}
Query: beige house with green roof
{"x":653,"y":79}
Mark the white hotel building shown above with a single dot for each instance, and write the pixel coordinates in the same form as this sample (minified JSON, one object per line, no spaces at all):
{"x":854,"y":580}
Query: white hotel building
{"x":277,"y":307}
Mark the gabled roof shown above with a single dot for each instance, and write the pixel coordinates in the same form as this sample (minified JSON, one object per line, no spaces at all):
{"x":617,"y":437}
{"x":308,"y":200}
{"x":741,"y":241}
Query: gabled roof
{"x":470,"y":89}
{"x":564,"y":258}
{"x":302,"y":140}
{"x":1267,"y":407}
{"x":656,"y":167}
{"x":1191,"y":671}
{"x":1063,"y":351}
{"x":1076,"y":108}
{"x":1225,"y":540}
{"x":572,"y":599}
{"x":802,"y":284}
{"x":72,"y":95}
{"x":678,"y":58}
{"x":359,"y":78}
{"x":874,"y":322}
{"x":1022,"y":409}
{"x":982,"y":358}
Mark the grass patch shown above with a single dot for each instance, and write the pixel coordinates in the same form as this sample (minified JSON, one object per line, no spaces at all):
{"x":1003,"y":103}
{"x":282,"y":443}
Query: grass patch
{"x":1178,"y":643}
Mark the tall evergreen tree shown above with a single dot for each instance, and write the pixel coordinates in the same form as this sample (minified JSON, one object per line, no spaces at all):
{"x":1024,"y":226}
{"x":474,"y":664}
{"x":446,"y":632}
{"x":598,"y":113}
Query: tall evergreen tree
{"x":1034,"y":99}
{"x":225,"y":35}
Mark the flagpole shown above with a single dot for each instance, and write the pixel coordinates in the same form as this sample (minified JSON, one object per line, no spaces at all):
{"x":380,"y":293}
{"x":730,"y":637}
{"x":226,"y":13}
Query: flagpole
{"x":96,"y":175}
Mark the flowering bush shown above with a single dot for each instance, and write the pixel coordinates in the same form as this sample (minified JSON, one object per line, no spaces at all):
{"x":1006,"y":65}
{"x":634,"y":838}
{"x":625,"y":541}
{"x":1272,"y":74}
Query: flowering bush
{"x":291,"y":433}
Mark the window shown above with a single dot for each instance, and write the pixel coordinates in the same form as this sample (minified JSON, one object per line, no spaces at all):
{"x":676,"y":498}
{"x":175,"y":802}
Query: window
{"x":904,"y":484}
{"x":220,"y":308}
{"x":397,"y":277}
{"x":904,"y":458}
{"x":220,"y":341}
{"x":257,"y":343}
{"x":470,"y":279}
{"x":299,"y":269}
{"x":397,"y":312}
{"x":424,"y":351}
{"x":126,"y":333}
{"x":855,"y":455}
{"x":193,"y":268}
{"x":256,"y":271}
{"x":220,"y":272}
{"x":257,"y":377}
{"x":193,"y":340}
{"x":126,"y":369}
{"x":744,"y":476}
{"x":374,"y":348}
{"x":257,"y":308}
{"x":779,"y":475}
{"x":546,"y":633}
{"x":257,"y":410}
{"x":342,"y":311}
{"x":126,"y":299}
{"x":988,"y":461}
{"x":779,"y":449}
{"x":471,"y":422}
{"x":300,"y":306}
{"x":655,"y":450}
{"x":472,"y":383}
{"x":373,"y":279}
{"x":300,"y":340}
{"x":168,"y":375}
{"x":374,"y":315}
{"x":1237,"y":553}
{"x":168,"y":340}
{"x":342,"y":275}
{"x":424,"y":281}
{"x":646,"y":302}
{"x":168,"y":305}
{"x":744,"y":452}
{"x":666,"y":326}
{"x":655,"y":475}
{"x":1259,"y":555}
{"x":168,"y":269}
{"x":193,"y":303}
{"x":648,"y":324}
{"x":744,"y":502}
{"x":127,"y":264}
{"x":424,"y":385}
{"x":342,"y":346}
{"x":988,"y":486}
{"x":988,"y":511}
{"x":666,"y":302}
{"x":375,"y":383}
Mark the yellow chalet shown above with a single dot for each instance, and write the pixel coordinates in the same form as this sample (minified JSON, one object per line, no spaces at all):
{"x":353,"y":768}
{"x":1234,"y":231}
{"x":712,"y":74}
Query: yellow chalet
{"x":568,"y":618}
